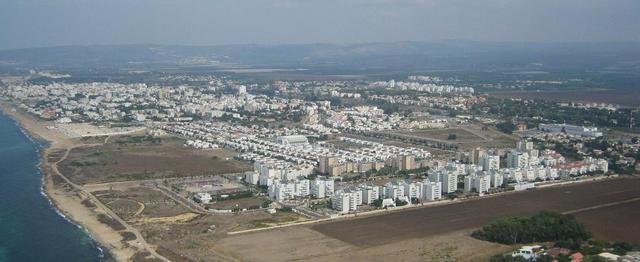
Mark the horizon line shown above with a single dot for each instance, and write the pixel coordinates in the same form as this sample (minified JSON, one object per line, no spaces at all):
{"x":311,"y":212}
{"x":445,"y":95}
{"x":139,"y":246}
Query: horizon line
{"x":322,"y":43}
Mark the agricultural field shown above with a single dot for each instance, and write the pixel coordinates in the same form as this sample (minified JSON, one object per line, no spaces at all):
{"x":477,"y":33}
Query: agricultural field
{"x":619,"y":222}
{"x":475,"y":213}
{"x":433,"y":233}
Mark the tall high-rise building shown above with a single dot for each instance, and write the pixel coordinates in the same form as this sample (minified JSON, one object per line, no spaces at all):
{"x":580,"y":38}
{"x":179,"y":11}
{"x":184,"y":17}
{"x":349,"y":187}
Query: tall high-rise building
{"x":477,"y":155}
{"x":432,"y":190}
{"x":448,"y":180}
{"x":524,"y":145}
{"x":490,"y":162}
{"x":370,"y":193}
{"x":516,"y":159}
{"x":326,"y":163}
{"x":405,"y":162}
{"x":480,"y":183}
{"x":496,"y":179}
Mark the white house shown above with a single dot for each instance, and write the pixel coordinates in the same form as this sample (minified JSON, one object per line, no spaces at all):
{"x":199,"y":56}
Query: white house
{"x":528,"y":252}
{"x":203,"y":198}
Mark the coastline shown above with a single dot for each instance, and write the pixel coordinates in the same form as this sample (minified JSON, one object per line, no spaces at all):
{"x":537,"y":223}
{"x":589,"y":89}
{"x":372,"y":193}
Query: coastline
{"x":67,"y":203}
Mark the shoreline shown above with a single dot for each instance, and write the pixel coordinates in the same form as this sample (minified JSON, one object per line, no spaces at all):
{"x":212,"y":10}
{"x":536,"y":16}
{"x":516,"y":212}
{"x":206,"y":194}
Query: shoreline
{"x":69,"y":207}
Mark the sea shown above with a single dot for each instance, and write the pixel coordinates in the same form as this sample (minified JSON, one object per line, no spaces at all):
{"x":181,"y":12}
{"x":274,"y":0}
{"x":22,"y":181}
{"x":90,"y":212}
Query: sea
{"x":31,"y":229}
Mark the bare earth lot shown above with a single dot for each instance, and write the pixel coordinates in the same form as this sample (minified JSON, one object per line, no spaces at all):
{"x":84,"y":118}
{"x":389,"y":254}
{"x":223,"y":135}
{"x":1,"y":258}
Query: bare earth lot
{"x":442,"y":134}
{"x":241,"y":203}
{"x":467,"y":136}
{"x":124,"y":160}
{"x":137,"y":202}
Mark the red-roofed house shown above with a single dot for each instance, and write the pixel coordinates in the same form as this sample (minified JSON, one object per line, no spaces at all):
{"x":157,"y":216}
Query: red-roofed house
{"x":576,"y":257}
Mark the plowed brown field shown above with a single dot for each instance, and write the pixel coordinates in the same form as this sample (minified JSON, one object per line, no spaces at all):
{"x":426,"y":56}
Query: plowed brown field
{"x":608,"y":218}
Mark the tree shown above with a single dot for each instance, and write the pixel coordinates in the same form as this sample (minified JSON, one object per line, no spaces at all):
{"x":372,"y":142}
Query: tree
{"x":452,"y":137}
{"x":545,"y":226}
{"x":621,"y":248}
{"x":506,"y":127}
{"x":377,"y":203}
{"x":400,"y":202}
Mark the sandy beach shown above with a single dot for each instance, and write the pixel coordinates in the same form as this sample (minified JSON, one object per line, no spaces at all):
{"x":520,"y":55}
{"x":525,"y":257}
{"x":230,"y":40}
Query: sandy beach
{"x":69,"y":199}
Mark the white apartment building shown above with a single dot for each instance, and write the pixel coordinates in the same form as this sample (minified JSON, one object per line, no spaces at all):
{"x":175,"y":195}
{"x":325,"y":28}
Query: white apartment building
{"x":497,"y":179}
{"x":468,"y":183}
{"x":413,"y":190}
{"x":340,"y":201}
{"x":552,"y":173}
{"x":270,"y":169}
{"x":280,"y":191}
{"x":432,"y":190}
{"x":322,"y":187}
{"x":346,"y":200}
{"x":480,"y":183}
{"x":393,"y":190}
{"x":490,"y":162}
{"x":370,"y":193}
{"x":302,"y":187}
{"x":517,"y":159}
{"x":472,"y":169}
{"x":448,"y":180}
{"x":524,"y":145}
{"x":252,"y":177}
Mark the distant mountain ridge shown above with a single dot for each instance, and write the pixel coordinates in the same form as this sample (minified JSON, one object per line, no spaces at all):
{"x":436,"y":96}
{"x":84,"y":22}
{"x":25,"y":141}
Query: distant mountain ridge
{"x":463,"y":55}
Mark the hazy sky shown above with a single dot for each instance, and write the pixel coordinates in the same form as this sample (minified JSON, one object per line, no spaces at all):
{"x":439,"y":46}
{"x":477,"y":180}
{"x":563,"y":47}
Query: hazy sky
{"x":34,"y":23}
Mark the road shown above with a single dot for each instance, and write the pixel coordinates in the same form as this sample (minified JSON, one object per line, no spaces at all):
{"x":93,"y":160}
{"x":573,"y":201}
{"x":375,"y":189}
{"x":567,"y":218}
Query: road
{"x":193,"y":207}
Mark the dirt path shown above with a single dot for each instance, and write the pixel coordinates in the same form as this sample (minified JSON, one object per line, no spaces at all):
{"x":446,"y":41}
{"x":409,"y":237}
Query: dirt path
{"x":142,"y":243}
{"x":601,"y":206}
